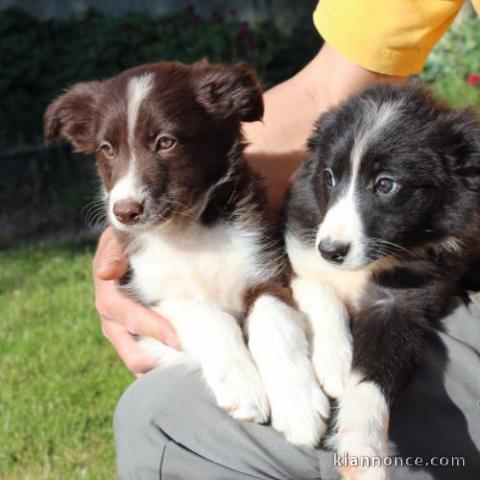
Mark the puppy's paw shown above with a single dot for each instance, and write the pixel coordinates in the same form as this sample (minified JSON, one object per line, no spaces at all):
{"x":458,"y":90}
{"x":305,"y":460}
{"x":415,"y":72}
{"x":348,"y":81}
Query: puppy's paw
{"x":362,"y":455}
{"x":300,"y":409}
{"x":332,"y":363}
{"x":301,"y":415}
{"x":239,"y":391}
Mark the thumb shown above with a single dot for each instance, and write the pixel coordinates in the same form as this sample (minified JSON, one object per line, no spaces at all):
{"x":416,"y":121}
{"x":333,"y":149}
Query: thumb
{"x":110,"y":262}
{"x":112,"y":268}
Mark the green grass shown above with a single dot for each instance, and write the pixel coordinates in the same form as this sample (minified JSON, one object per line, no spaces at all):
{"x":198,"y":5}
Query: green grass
{"x":59,"y":378}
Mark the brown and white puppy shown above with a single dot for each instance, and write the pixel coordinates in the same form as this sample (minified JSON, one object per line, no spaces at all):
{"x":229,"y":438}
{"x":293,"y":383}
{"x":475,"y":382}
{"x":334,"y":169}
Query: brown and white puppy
{"x":169,"y":148}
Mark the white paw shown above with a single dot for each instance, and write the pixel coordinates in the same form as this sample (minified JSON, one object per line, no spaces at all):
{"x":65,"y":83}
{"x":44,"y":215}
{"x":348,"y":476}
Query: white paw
{"x":332,"y":364}
{"x":160,"y":353}
{"x":299,"y":407}
{"x":362,"y":455}
{"x":239,"y":391}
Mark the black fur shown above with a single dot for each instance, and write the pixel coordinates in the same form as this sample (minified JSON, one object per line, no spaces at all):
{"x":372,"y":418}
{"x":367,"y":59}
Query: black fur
{"x":433,"y":152}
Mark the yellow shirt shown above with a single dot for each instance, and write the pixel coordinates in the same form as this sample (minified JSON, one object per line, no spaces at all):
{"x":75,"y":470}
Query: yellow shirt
{"x":393,"y":37}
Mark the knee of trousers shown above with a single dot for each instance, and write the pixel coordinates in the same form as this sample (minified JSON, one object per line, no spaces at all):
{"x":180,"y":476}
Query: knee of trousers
{"x":140,"y":414}
{"x":161,"y":393}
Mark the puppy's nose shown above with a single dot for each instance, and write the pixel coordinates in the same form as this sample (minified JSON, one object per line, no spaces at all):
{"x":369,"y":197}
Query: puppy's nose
{"x":333,"y":251}
{"x":128,"y":211}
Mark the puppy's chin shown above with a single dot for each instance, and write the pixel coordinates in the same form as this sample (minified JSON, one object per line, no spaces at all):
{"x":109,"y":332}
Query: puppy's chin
{"x":351,"y":266}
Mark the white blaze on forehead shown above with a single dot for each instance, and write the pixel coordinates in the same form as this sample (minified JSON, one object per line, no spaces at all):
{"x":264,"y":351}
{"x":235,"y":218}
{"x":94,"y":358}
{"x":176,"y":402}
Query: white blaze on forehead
{"x":137,"y":90}
{"x":343,"y":222}
{"x":375,"y":120}
{"x":126,"y":187}
{"x":129,"y":186}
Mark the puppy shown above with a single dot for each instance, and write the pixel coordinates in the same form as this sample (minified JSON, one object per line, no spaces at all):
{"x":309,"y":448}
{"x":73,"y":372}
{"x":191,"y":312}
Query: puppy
{"x":382,"y":220}
{"x":169,"y":149}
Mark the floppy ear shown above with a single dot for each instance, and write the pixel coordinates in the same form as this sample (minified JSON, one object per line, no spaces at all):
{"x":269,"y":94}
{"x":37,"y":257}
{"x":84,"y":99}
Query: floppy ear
{"x":230,"y":91}
{"x":73,"y":116}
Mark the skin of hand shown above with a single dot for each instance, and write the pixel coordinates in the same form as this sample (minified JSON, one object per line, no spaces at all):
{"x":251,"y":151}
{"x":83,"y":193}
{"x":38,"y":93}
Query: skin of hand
{"x":121,"y":316}
{"x":276,"y":147}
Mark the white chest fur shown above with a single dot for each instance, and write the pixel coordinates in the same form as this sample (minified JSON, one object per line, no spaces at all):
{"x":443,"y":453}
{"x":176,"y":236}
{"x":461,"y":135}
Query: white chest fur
{"x":201,"y":263}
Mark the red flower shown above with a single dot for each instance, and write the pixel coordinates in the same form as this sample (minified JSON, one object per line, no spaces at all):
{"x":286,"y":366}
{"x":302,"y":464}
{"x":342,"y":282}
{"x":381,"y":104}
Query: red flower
{"x":245,"y":32}
{"x":473,"y":79}
{"x":245,"y":36}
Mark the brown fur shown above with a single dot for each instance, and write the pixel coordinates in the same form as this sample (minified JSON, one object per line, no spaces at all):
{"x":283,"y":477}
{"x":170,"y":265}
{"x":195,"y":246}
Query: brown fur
{"x":201,"y":105}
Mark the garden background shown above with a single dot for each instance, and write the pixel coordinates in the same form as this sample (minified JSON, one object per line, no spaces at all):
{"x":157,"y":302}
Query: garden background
{"x":59,"y":378}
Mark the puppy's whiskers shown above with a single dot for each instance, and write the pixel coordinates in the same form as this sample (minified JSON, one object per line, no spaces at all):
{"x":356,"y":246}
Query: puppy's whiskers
{"x":387,"y":248}
{"x":95,"y":214}
{"x":184,"y":212}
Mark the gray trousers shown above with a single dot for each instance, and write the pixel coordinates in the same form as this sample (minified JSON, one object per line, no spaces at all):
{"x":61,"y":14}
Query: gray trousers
{"x":168,"y":427}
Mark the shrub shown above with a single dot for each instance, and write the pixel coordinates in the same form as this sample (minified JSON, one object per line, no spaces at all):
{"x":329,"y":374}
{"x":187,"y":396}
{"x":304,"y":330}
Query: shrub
{"x":452,"y":66}
{"x":40,"y":58}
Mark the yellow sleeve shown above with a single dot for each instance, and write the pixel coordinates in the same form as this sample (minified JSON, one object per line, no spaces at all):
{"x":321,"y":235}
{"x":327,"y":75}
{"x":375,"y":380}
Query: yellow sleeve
{"x":393,"y":37}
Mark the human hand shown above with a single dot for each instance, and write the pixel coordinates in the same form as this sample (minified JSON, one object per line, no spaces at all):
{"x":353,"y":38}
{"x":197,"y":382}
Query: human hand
{"x":121,"y":316}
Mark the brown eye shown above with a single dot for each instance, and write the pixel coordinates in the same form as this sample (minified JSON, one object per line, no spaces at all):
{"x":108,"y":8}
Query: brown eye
{"x":107,"y":149}
{"x":164,"y":142}
{"x":385,"y":186}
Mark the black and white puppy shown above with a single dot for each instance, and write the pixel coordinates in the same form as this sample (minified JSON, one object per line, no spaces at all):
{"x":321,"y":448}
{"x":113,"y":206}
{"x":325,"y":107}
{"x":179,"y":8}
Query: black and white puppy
{"x":169,"y":149}
{"x":382,"y":221}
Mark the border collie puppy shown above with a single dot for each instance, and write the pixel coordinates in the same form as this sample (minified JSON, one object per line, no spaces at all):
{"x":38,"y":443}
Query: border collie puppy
{"x":382,"y":221}
{"x":169,"y":149}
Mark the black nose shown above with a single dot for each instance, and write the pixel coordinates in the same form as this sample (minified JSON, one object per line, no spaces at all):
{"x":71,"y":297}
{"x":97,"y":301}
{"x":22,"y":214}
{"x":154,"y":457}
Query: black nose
{"x":333,"y":251}
{"x":128,"y":211}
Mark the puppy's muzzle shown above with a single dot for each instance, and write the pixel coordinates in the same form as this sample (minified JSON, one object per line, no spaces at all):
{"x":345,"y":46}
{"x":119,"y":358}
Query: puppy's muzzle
{"x":128,"y":211}
{"x":333,"y":251}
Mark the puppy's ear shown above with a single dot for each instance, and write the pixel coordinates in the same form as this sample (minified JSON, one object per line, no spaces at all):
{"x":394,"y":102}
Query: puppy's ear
{"x":73,"y":116}
{"x":464,"y":141}
{"x":229,"y":91}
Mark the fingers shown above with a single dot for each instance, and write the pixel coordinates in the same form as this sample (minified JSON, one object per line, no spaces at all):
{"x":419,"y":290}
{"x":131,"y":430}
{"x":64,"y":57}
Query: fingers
{"x":127,"y":348}
{"x":110,"y":262}
{"x":112,"y":305}
{"x":140,"y":320}
{"x":121,"y":316}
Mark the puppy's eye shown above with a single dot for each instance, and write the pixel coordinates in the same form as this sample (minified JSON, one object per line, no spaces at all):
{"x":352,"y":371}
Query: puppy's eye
{"x":107,"y":149}
{"x":329,"y":177}
{"x":386,"y":186}
{"x":164,"y":142}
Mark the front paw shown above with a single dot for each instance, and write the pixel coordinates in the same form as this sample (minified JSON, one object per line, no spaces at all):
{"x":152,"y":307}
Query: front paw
{"x":361,"y":455}
{"x":300,"y":413}
{"x":239,"y":391}
{"x":332,"y":364}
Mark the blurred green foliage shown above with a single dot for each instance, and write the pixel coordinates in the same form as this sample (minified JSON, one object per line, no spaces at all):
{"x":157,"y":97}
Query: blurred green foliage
{"x":38,"y":59}
{"x":457,"y":55}
{"x":455,"y":62}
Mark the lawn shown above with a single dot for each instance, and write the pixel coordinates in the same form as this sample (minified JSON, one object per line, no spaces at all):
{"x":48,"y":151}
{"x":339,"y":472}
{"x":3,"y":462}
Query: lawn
{"x":59,"y":378}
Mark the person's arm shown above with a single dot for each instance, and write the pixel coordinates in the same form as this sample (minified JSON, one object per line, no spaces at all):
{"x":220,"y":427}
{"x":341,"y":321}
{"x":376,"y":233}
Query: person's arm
{"x":278,"y":144}
{"x":276,"y":147}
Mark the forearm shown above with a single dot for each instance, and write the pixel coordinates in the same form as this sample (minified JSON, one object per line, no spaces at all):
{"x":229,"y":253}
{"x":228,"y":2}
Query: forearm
{"x":277,"y":145}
